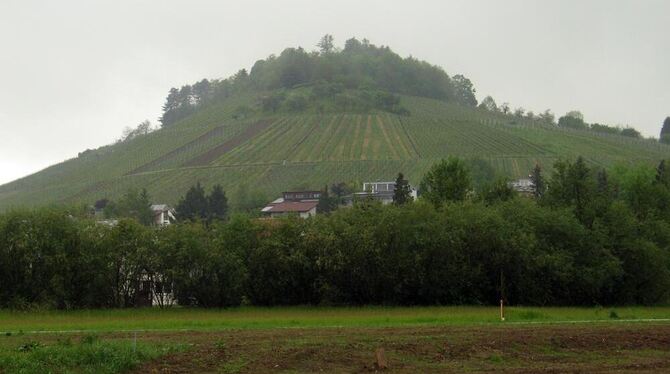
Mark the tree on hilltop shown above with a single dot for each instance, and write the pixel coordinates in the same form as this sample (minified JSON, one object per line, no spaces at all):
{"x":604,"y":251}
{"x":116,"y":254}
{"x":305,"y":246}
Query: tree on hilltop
{"x":326,"y":44}
{"x":665,"y":131}
{"x":573,"y":120}
{"x":489,"y":104}
{"x":464,"y":90}
{"x":202,"y":91}
{"x":547,"y":117}
{"x":631,"y":132}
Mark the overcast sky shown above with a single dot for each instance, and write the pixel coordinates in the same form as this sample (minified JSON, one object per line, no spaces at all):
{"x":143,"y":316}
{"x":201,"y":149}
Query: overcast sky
{"x":73,"y":74}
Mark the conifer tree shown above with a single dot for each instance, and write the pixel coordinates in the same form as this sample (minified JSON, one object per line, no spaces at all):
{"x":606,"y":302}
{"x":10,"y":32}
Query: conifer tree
{"x":538,"y":181}
{"x":665,"y":131}
{"x":402,"y":193}
{"x":217,"y":204}
{"x":326,"y":204}
{"x":663,"y":174}
{"x":194,"y":204}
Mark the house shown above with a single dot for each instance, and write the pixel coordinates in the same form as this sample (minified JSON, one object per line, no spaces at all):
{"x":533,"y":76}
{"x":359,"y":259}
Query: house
{"x":304,"y":209}
{"x":523,"y":186}
{"x":301,"y":196}
{"x":302,"y":203}
{"x":154,"y":290}
{"x":379,"y":191}
{"x":163,"y":214}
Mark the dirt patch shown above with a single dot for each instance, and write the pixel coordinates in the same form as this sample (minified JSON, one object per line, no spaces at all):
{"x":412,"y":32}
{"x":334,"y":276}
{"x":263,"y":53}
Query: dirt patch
{"x":188,"y":147}
{"x":218,"y":151}
{"x":587,"y":348}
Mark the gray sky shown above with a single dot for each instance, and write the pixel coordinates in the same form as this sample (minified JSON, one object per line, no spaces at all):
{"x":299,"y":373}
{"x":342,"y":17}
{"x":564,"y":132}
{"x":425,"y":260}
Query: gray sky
{"x":73,"y":74}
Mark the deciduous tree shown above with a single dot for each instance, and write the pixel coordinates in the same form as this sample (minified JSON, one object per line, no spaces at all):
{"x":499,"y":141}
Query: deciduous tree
{"x":447,"y":180}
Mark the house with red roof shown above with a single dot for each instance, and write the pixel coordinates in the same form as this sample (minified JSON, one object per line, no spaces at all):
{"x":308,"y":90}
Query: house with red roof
{"x":301,"y":203}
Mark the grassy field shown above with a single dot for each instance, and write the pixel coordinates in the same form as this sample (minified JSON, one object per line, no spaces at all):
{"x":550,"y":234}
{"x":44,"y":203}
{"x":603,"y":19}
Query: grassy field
{"x":306,"y":340}
{"x":308,"y":317}
{"x":275,"y":152}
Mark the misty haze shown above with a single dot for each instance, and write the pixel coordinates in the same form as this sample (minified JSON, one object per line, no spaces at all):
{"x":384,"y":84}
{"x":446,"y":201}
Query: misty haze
{"x":302,"y":186}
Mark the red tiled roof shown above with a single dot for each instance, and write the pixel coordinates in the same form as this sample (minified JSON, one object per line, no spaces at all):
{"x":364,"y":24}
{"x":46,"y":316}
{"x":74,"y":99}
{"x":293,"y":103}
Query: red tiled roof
{"x":293,"y":206}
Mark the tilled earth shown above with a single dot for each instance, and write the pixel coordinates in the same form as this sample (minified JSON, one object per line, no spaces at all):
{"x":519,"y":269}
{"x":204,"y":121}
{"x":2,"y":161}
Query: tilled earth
{"x":583,"y":348}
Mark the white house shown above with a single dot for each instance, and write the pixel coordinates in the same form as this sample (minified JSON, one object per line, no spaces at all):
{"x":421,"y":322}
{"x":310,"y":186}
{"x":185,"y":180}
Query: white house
{"x":523,"y":186}
{"x":380,"y":191}
{"x":154,"y":290}
{"x":163,"y":214}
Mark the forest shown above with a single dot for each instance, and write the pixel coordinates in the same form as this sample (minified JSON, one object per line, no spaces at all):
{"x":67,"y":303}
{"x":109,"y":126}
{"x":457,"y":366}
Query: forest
{"x":359,"y":76}
{"x":587,"y":236}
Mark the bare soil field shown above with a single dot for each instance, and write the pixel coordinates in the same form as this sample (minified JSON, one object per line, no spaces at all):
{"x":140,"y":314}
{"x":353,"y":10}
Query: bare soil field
{"x":185,"y":149}
{"x":582,"y":348}
{"x":216,"y":152}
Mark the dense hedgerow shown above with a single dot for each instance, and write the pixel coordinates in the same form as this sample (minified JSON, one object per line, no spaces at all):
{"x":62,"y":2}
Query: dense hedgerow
{"x":590,"y":238}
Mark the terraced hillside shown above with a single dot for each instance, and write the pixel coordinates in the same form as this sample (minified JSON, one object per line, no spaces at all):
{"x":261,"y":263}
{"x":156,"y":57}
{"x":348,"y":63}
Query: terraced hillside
{"x":276,"y":152}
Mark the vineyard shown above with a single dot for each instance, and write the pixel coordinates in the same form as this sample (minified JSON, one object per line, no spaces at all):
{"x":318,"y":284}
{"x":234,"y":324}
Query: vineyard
{"x":271,"y":153}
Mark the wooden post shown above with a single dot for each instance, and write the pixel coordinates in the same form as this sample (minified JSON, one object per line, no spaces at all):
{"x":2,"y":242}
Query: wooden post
{"x":380,"y":357}
{"x":502,"y":296}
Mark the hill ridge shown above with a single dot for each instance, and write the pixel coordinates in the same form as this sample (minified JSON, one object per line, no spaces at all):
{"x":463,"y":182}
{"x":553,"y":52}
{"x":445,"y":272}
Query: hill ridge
{"x":308,"y":150}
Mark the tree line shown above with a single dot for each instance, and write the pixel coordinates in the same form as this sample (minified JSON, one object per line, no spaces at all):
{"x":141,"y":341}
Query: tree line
{"x":573,"y":120}
{"x":591,"y":236}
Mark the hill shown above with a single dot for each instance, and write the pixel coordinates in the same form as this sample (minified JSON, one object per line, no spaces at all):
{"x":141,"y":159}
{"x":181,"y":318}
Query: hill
{"x":276,"y":129}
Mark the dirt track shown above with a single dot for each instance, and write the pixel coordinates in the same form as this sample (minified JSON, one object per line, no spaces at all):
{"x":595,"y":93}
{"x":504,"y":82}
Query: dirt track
{"x":603,"y":348}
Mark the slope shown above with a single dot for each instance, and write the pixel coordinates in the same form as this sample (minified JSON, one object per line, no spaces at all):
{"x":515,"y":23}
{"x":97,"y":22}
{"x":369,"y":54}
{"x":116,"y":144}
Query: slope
{"x":279,"y":151}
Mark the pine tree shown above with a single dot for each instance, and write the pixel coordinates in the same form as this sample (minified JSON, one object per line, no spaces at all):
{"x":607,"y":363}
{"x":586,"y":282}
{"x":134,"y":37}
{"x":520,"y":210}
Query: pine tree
{"x":579,"y":174}
{"x":603,"y":181}
{"x":194,"y":204}
{"x":143,"y":207}
{"x":665,"y":131}
{"x":538,"y":181}
{"x":663,"y":174}
{"x":325,"y":204}
{"x":217,"y":204}
{"x":402,"y":193}
{"x":133,"y":204}
{"x":326,"y":44}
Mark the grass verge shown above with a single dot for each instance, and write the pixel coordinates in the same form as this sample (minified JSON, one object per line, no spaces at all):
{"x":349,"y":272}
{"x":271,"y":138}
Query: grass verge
{"x":308,"y":317}
{"x":87,"y":355}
